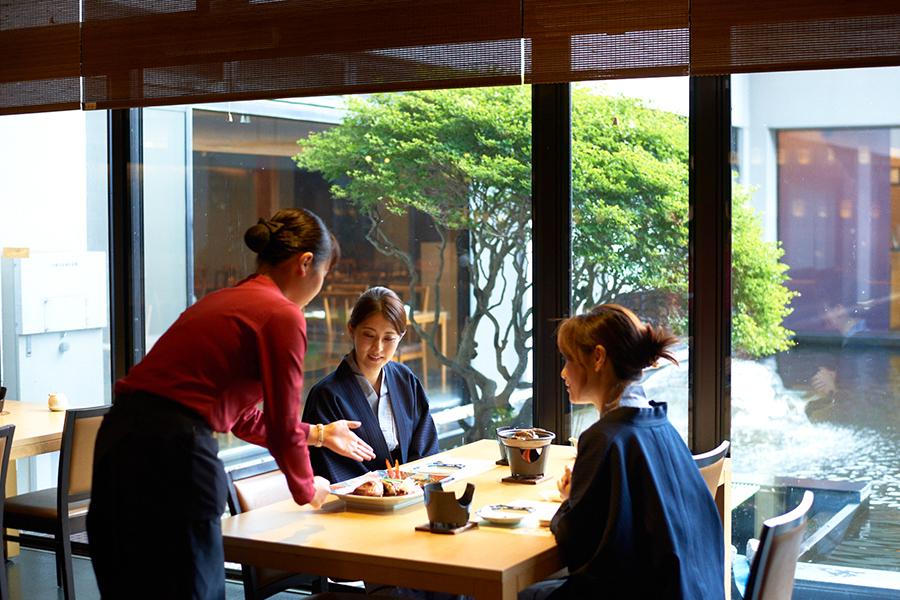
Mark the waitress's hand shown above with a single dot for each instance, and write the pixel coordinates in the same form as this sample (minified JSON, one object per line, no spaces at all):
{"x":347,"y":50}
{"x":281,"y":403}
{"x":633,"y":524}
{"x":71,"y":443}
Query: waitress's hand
{"x":564,"y":484}
{"x":340,"y":439}
{"x":322,"y":490}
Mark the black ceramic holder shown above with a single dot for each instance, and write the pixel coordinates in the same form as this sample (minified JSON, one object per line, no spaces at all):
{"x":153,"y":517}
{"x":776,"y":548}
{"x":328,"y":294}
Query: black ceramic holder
{"x":504,"y":457}
{"x":446,"y":514}
{"x":527,"y":457}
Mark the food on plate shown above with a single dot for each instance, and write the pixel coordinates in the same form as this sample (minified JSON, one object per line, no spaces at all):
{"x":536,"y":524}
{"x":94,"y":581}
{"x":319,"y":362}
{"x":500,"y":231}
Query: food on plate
{"x":369,"y":488}
{"x":386,"y":488}
{"x":527,"y":434}
{"x":408,"y":486}
{"x":391,"y":488}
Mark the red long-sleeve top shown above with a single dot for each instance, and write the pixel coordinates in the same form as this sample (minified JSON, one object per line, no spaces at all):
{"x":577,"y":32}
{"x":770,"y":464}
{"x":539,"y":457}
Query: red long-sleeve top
{"x":224,"y":355}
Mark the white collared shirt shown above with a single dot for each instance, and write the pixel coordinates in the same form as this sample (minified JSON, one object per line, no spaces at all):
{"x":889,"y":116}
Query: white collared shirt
{"x":380,"y":401}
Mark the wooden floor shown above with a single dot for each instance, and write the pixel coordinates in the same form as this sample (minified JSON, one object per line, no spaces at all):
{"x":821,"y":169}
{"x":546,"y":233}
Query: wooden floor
{"x":32,"y":576}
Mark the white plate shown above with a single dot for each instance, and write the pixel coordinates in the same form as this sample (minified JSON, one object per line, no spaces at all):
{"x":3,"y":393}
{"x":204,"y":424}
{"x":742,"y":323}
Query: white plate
{"x":504,"y":513}
{"x":381,"y":502}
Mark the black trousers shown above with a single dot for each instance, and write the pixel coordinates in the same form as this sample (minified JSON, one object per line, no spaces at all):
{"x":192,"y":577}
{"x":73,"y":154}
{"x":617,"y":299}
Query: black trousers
{"x":157,"y":500}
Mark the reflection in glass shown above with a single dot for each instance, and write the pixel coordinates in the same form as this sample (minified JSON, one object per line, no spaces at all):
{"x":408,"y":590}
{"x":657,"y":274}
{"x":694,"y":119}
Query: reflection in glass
{"x":445,"y":225}
{"x":53,"y":274}
{"x":630,"y":217}
{"x":817,"y":167}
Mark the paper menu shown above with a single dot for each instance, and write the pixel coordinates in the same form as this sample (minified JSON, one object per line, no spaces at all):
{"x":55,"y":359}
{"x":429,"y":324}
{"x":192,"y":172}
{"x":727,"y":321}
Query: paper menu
{"x":544,"y":510}
{"x":453,"y":469}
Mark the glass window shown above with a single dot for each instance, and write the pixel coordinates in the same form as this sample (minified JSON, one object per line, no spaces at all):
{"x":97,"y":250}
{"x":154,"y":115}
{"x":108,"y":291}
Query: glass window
{"x":53,"y":273}
{"x":815,"y":392}
{"x":428,"y":194}
{"x":630,"y":217}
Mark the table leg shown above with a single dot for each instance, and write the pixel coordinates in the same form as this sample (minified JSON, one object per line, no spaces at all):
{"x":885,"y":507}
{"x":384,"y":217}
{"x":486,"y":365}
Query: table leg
{"x":11,"y":549}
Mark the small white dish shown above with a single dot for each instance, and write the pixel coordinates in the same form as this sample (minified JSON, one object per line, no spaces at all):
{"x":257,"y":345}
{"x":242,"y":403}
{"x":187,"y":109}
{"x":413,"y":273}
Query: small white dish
{"x":551,"y":495}
{"x":59,"y":408}
{"x":504,"y":513}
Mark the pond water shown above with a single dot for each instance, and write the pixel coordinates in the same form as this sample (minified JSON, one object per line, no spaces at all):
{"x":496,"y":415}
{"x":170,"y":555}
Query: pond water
{"x":781,"y":428}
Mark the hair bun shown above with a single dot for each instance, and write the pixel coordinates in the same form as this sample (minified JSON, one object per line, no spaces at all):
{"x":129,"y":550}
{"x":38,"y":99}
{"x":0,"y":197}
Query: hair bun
{"x":260,"y":235}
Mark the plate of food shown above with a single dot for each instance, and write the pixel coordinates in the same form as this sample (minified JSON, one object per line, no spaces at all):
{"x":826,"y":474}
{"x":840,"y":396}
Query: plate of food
{"x":505,"y":513}
{"x":380,"y":493}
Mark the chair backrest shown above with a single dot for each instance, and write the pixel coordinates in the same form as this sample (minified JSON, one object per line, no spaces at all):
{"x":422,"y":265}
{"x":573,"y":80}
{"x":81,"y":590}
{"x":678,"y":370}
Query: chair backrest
{"x":711,"y":464}
{"x":255,"y":486}
{"x":76,"y":452}
{"x":772,"y":573}
{"x":6,"y":440}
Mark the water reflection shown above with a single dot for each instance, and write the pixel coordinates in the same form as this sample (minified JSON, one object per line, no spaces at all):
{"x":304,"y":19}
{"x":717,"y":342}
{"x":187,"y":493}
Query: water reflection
{"x":783,"y":426}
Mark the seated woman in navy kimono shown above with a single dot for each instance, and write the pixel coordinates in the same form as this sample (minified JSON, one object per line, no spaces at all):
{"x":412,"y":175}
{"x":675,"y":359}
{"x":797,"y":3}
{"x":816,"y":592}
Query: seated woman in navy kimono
{"x":383,"y":395}
{"x":637,"y":521}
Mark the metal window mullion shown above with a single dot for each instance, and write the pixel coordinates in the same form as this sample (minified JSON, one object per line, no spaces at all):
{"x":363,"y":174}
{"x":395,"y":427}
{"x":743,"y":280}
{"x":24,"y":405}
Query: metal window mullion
{"x":709,"y":364}
{"x":126,"y":265}
{"x":552,"y":242}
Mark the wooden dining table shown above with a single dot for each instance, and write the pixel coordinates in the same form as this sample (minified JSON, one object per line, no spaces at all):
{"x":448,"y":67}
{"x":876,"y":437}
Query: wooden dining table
{"x":490,"y":562}
{"x":38,"y":429}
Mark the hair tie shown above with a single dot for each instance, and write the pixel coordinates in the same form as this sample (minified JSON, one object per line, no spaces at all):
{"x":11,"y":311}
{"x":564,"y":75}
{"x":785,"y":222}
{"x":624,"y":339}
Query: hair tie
{"x":272,"y":226}
{"x":260,"y":235}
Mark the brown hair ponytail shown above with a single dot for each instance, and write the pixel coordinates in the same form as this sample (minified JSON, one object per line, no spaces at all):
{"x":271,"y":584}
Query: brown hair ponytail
{"x":631,"y":346}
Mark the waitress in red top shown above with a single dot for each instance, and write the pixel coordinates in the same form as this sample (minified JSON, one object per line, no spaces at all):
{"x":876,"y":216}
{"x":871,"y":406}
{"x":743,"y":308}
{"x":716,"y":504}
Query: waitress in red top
{"x":159,"y":487}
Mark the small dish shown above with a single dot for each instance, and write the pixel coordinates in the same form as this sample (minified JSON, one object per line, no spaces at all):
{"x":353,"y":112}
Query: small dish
{"x":59,"y":408}
{"x":504,"y":513}
{"x":551,"y":495}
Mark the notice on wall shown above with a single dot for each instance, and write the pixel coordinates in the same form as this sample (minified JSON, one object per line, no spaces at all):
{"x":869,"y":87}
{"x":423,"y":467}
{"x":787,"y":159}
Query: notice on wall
{"x":15,"y":253}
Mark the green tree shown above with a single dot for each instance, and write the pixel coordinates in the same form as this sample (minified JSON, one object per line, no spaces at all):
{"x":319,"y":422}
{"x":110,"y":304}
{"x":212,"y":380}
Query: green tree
{"x":463,"y":157}
{"x":630,"y":206}
{"x":759,"y":299}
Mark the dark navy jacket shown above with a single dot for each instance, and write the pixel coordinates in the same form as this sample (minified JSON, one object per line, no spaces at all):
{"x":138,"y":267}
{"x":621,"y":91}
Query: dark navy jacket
{"x":640,"y":522}
{"x":338,"y":396}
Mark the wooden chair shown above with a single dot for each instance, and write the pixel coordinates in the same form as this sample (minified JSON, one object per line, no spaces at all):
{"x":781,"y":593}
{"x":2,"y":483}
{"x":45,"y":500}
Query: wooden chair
{"x":6,"y":440}
{"x":711,"y":464}
{"x":61,"y":511}
{"x":413,"y":347}
{"x":772,"y":572}
{"x":255,"y":486}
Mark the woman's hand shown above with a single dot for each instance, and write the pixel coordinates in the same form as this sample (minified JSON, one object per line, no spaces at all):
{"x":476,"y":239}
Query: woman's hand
{"x":564,"y":484}
{"x":340,"y":439}
{"x":322,"y":490}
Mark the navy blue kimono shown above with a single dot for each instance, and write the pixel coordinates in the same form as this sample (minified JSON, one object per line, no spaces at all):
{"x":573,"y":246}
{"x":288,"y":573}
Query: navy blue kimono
{"x":639,"y":522}
{"x":339,"y":396}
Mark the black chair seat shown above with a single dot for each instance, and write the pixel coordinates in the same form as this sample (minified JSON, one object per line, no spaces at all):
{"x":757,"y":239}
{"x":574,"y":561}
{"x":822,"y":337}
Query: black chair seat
{"x":38,"y":505}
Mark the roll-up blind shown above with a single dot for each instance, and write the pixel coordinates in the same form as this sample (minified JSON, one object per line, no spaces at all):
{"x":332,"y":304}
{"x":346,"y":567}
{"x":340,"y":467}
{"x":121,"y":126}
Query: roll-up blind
{"x":40,"y":56}
{"x":576,"y":40}
{"x":735,"y":36}
{"x":138,"y":53}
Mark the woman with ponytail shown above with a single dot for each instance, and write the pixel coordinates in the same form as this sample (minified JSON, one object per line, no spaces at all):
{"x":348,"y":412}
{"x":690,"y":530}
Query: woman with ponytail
{"x":159,"y":487}
{"x":637,"y":520}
